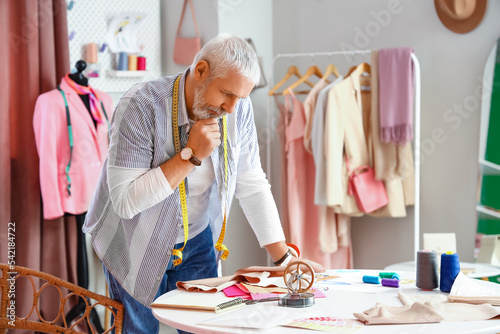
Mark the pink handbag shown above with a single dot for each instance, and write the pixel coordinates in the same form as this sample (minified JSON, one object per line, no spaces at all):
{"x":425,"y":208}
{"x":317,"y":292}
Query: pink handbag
{"x":370,"y":193}
{"x":185,"y":48}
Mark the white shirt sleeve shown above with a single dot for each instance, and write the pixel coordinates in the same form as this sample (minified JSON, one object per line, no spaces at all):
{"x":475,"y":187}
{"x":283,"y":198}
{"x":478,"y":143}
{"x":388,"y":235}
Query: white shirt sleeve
{"x":133,"y":190}
{"x":254,"y":194}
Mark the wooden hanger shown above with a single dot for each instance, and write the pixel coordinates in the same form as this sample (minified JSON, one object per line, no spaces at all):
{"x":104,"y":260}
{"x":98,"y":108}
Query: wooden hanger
{"x":292,"y":70}
{"x":360,"y":69}
{"x":313,"y":70}
{"x":331,"y":69}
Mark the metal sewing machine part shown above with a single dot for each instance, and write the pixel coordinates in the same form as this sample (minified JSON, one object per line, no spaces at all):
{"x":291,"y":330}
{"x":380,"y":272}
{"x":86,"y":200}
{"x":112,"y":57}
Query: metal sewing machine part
{"x":299,"y":278}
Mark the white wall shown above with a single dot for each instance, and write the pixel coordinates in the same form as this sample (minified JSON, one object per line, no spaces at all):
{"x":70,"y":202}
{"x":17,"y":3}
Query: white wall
{"x":248,"y":19}
{"x":451,"y":68}
{"x":206,"y":16}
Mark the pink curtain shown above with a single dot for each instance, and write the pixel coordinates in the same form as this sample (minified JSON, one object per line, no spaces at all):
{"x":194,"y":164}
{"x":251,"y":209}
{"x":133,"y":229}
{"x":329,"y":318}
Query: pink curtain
{"x":33,"y":58}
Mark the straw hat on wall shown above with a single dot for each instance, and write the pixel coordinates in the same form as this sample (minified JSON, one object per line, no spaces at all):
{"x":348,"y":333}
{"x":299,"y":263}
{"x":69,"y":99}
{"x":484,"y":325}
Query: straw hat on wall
{"x":460,"y":16}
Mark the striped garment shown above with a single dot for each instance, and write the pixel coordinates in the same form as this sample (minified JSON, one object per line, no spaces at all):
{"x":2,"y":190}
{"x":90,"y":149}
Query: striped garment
{"x":136,"y":251}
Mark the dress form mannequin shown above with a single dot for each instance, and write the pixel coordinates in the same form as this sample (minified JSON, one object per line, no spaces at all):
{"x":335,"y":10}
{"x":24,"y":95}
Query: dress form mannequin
{"x":82,"y":260}
{"x":80,"y":79}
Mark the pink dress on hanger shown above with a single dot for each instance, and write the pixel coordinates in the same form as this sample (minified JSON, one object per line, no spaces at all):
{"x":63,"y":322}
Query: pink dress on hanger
{"x":302,"y":212}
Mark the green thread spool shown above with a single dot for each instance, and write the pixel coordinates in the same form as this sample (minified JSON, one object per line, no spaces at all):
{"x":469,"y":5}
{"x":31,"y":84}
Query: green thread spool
{"x":386,"y":274}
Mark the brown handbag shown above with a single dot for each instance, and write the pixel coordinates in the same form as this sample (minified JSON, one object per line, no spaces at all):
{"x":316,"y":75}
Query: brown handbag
{"x":185,"y":48}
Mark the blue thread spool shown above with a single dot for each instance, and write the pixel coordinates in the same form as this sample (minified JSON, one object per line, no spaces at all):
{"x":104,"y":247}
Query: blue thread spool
{"x":122,"y":61}
{"x":450,"y":267}
{"x":392,"y":282}
{"x":371,"y":279}
{"x":396,"y":276}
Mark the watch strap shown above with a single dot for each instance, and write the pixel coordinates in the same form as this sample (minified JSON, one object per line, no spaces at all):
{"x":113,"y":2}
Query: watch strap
{"x":194,"y":160}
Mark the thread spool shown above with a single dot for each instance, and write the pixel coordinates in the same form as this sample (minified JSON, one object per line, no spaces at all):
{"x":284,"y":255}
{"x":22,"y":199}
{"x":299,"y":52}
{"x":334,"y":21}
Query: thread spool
{"x":386,"y":274}
{"x":141,"y":63}
{"x":132,"y":63}
{"x":122,"y":61}
{"x":371,"y":279}
{"x":392,"y":282}
{"x":450,"y":267}
{"x":427,"y":272}
{"x":91,"y":53}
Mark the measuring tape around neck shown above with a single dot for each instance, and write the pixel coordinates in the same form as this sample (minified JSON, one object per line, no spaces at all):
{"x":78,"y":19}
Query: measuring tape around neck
{"x":219,"y":245}
{"x":182,"y":186}
{"x":70,"y":136}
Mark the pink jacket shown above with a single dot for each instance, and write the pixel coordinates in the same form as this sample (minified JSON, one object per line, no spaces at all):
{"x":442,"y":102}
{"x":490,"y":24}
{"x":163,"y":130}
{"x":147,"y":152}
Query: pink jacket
{"x":90,"y":148}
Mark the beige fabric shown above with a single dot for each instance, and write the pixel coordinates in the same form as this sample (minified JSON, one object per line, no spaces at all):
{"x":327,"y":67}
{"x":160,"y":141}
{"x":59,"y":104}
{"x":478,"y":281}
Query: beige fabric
{"x":452,"y":311}
{"x":309,"y":107}
{"x":416,"y":313}
{"x":468,"y":290}
{"x":253,"y":275}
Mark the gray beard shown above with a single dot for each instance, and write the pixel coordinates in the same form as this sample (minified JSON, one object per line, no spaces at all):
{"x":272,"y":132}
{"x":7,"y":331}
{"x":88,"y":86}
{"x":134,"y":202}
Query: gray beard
{"x":201,"y":108}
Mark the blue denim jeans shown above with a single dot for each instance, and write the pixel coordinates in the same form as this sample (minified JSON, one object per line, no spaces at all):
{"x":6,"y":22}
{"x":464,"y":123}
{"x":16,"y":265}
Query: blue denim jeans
{"x":198,"y":262}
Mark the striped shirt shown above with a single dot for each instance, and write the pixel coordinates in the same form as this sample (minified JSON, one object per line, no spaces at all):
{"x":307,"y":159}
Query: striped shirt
{"x":136,"y":245}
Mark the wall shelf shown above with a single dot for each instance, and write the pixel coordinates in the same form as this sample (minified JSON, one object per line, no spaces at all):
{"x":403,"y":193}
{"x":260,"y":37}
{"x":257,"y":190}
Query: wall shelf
{"x":126,"y":74}
{"x":489,"y":168}
{"x":487,"y":214}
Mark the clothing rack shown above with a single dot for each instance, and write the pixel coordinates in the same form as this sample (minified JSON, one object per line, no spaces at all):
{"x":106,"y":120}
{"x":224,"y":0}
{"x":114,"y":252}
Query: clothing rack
{"x":416,"y":132}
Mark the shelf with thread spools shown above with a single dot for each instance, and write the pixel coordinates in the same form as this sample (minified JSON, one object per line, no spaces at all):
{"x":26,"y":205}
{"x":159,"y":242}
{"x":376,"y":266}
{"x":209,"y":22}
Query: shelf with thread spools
{"x":126,"y":74}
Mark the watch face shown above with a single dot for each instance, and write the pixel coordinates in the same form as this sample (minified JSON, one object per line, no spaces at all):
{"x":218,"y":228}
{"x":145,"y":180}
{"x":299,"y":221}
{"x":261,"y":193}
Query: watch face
{"x":186,"y":153}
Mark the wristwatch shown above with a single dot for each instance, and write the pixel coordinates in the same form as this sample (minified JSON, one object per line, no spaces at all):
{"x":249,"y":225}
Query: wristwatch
{"x":187,"y":155}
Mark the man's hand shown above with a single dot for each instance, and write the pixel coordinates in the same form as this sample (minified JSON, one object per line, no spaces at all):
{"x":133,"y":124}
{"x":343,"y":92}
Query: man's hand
{"x":204,"y":137}
{"x":318,"y":268}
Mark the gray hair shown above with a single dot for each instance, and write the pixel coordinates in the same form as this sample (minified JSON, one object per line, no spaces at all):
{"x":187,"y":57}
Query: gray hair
{"x":226,"y":52}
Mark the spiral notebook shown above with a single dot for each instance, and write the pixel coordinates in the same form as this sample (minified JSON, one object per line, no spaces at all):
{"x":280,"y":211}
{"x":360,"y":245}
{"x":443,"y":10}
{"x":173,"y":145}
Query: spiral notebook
{"x":201,"y":302}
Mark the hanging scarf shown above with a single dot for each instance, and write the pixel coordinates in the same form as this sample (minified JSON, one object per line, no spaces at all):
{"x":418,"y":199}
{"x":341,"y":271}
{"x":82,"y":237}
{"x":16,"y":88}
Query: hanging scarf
{"x":93,"y":98}
{"x":395,"y":79}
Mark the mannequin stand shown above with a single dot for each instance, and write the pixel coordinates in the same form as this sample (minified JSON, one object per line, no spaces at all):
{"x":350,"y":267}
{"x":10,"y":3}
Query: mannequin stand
{"x":83,"y":278}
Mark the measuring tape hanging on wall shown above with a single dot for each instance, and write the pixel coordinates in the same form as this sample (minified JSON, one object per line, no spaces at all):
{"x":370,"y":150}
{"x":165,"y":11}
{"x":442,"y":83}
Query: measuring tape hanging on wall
{"x":182,"y":186}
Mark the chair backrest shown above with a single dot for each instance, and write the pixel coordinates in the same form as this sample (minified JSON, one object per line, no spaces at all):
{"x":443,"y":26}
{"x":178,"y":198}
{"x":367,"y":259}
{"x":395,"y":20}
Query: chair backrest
{"x":39,"y":281}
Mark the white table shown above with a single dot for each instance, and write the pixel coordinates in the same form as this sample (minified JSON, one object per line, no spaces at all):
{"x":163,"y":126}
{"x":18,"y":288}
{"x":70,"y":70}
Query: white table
{"x":340,"y":304}
{"x":474,"y":270}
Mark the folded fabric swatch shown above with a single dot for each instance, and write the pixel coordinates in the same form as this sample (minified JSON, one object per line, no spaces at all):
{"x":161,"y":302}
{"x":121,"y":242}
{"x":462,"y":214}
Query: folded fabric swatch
{"x":473,"y":291}
{"x":253,"y":275}
{"x":236,"y":291}
{"x":452,"y":311}
{"x":417,"y":313}
{"x":396,"y":95}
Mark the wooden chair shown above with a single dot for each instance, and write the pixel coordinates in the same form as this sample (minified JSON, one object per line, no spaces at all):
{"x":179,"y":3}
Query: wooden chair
{"x":40,"y":281}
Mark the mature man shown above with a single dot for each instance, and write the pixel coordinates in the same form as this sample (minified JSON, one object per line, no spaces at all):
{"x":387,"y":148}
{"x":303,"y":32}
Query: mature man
{"x":181,"y":148}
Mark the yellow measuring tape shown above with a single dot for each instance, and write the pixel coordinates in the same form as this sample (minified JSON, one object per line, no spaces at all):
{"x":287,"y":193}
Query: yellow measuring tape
{"x":182,"y":186}
{"x":219,"y":246}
